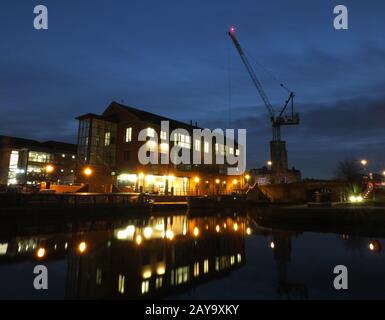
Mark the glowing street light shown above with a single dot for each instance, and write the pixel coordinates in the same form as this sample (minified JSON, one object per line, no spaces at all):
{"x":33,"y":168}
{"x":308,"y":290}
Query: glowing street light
{"x":217,"y":181}
{"x":196,"y":231}
{"x":49,"y":168}
{"x":196,"y":179}
{"x":40,"y":253}
{"x":235,"y":182}
{"x":269,"y":163}
{"x":247,"y":177}
{"x":82,"y":247}
{"x":87,"y":171}
{"x":364,"y":162}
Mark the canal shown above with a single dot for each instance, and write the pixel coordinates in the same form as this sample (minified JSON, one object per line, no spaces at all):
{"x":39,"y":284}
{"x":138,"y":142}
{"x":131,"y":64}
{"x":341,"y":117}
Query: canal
{"x":185,"y":255}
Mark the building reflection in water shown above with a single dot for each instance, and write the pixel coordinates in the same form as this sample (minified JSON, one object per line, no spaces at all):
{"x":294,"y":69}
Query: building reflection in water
{"x":149,"y":257}
{"x":155,"y":257}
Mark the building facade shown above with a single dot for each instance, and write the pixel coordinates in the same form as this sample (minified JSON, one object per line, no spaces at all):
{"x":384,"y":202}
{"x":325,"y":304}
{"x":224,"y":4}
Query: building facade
{"x":109,"y":145}
{"x":25,"y":161}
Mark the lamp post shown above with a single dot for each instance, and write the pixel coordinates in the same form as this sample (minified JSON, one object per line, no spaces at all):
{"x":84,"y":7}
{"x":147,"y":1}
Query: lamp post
{"x":48,"y":169}
{"x":88,"y":172}
{"x":196,"y":180}
{"x":217,"y":182}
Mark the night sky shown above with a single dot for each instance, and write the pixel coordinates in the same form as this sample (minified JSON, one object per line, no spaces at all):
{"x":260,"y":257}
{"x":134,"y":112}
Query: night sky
{"x":174,"y":58}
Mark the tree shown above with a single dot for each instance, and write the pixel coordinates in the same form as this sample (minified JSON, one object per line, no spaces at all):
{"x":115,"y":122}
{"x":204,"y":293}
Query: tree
{"x":349,"y":170}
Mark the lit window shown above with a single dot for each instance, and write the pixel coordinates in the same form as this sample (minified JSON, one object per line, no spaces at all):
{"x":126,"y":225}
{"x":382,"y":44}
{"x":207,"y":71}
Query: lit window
{"x":164,"y":147}
{"x":239,"y":258}
{"x":231,"y":150}
{"x":216,"y":263}
{"x":150,"y":132}
{"x":128,"y":134}
{"x":159,"y":282}
{"x":107,"y":138}
{"x":197,"y":145}
{"x":206,"y":266}
{"x":182,"y":274}
{"x":163,"y":135}
{"x":196,"y":269}
{"x":237,"y":152}
{"x":145,"y":286}
{"x":98,"y":277}
{"x":207,"y":147}
{"x":182,"y":140}
{"x":121,"y":283}
{"x":232,"y":260}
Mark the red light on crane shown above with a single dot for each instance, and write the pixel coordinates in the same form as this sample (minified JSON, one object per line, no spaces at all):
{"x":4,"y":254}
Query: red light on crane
{"x":232,"y":29}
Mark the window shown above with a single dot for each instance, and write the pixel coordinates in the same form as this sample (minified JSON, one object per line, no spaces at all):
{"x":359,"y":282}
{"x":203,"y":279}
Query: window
{"x":232,"y":260}
{"x":237,"y":152}
{"x":38,"y":157}
{"x":121,"y":283}
{"x":196,"y":269}
{"x":206,"y":266}
{"x":107,"y":138}
{"x":239,"y":258}
{"x":231,"y":150}
{"x":182,"y":140}
{"x":216,"y":263}
{"x":197,"y":145}
{"x":98,"y":277}
{"x":182,"y":274}
{"x":159,"y":282}
{"x":207,"y":147}
{"x":163,"y":135}
{"x":128,"y":134}
{"x":164,"y":147}
{"x":145,"y":286}
{"x":150,"y":132}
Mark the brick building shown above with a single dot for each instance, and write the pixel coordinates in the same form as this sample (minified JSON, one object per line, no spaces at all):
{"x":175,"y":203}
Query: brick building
{"x":108,"y":146}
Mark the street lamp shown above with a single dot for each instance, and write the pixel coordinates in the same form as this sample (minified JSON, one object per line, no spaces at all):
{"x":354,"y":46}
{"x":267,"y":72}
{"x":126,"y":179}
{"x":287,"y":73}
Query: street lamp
{"x":269,"y":163}
{"x":87,"y":171}
{"x":48,"y":169}
{"x":196,"y":180}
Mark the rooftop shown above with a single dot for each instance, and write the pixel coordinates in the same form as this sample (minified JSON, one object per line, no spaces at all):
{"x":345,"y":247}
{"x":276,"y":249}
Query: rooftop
{"x":16,"y":142}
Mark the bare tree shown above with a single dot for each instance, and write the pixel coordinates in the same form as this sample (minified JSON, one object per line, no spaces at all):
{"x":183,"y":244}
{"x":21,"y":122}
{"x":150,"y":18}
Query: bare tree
{"x":348,"y":170}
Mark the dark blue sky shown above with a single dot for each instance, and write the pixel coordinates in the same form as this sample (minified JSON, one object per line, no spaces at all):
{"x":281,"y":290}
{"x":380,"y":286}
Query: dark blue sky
{"x":174,"y":58}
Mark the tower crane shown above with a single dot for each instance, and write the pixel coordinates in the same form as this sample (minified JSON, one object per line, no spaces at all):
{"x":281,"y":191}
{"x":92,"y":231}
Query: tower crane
{"x":277,"y":146}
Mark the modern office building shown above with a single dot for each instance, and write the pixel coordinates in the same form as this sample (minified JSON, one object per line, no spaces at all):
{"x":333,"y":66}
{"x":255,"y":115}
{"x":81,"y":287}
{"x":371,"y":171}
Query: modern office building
{"x":30,"y":162}
{"x":109,"y":146}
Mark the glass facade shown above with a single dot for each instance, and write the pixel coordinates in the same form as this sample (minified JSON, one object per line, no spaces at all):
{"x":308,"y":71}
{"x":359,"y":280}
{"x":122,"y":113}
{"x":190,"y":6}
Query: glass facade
{"x":96,"y":142}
